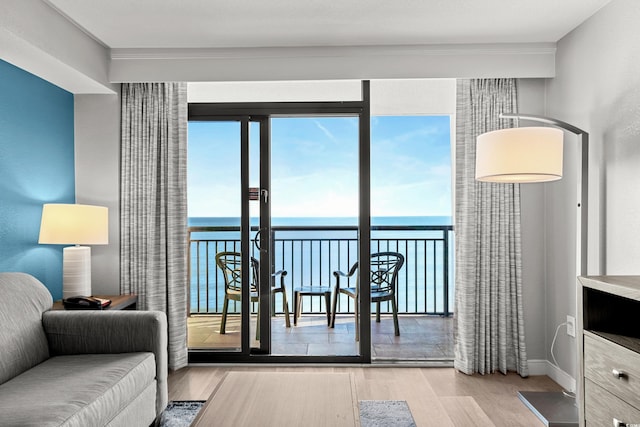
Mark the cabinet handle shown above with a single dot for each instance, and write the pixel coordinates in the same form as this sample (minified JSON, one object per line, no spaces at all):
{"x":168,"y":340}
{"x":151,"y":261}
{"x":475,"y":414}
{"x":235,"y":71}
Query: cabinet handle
{"x":618,"y":373}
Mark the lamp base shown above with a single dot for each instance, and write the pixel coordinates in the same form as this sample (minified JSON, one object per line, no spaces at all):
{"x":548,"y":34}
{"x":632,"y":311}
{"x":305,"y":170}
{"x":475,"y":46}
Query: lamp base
{"x":554,"y":409}
{"x":76,"y":271}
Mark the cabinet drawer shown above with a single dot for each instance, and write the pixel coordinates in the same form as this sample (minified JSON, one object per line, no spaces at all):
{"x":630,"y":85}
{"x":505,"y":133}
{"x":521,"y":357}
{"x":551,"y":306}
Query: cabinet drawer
{"x":602,"y":408}
{"x":602,"y":358}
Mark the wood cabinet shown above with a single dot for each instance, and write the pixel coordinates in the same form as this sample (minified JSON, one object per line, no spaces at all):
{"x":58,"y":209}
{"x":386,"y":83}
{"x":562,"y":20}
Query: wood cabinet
{"x":609,"y":351}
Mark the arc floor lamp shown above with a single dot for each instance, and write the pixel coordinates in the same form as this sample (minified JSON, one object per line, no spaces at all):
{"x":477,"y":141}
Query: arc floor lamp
{"x":528,"y":155}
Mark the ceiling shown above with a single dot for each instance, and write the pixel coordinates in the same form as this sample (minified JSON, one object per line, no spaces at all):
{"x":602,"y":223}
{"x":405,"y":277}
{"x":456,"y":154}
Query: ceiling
{"x":123,"y":24}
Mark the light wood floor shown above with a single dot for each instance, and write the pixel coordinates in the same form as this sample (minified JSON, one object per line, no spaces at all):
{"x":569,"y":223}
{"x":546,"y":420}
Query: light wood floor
{"x":438,"y":397}
{"x":421,"y":337}
{"x":249,"y":399}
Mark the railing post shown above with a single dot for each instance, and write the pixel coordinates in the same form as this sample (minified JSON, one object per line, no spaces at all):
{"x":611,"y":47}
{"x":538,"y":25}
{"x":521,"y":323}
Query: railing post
{"x":198,"y":274}
{"x":272,"y":251}
{"x":188,"y":273}
{"x":445,"y":278}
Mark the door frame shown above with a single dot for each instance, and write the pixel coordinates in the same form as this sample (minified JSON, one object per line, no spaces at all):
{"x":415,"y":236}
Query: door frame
{"x":261,"y":112}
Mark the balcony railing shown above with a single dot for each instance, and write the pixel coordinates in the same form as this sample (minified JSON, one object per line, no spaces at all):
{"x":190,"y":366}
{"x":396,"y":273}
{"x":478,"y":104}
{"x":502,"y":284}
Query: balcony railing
{"x":310,"y":255}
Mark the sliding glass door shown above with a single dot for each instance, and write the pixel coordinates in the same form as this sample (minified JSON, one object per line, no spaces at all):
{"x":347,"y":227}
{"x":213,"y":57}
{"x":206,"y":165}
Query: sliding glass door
{"x":283,"y":189}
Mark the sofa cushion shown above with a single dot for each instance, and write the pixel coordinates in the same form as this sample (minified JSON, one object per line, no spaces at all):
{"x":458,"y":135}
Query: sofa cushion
{"x":139,"y":412}
{"x":23,"y":343}
{"x":78,"y":390}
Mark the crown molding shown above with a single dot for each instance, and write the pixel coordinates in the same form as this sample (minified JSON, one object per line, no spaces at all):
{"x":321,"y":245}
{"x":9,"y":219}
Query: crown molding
{"x":334,"y":63}
{"x":335,"y":51}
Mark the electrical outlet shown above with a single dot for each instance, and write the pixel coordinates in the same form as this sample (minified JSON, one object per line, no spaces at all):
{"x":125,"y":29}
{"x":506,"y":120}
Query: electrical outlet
{"x":571,"y":326}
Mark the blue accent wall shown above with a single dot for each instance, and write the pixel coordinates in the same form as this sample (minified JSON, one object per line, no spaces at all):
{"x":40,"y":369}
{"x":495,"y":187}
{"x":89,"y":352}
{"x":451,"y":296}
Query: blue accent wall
{"x":36,"y":167}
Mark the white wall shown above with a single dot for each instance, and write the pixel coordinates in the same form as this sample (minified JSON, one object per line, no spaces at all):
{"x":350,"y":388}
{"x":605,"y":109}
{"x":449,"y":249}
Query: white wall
{"x":531,"y":101}
{"x":97,"y":151}
{"x":597,"y":88}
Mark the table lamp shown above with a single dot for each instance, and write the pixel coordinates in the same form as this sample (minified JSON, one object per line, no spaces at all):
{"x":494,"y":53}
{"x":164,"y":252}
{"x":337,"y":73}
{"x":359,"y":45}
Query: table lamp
{"x":74,"y":224}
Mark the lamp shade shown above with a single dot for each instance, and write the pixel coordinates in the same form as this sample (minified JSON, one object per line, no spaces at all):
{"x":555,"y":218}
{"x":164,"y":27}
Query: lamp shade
{"x":519,"y":155}
{"x":73,"y":224}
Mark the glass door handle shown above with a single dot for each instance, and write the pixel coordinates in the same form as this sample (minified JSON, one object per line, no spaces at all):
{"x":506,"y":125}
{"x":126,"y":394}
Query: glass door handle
{"x":256,"y":239}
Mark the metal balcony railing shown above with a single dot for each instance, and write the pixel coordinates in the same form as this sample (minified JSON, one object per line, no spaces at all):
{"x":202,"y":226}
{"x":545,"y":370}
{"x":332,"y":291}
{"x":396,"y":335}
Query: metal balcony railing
{"x":310,"y":255}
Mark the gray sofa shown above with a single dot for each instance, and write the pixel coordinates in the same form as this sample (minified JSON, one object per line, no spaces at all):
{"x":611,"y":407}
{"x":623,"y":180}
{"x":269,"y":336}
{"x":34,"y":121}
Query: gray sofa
{"x":77,"y":368}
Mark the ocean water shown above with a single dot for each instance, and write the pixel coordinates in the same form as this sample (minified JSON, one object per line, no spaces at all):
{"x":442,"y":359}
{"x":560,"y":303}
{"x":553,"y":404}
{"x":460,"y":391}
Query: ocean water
{"x":311,"y":256}
{"x":324,"y":221}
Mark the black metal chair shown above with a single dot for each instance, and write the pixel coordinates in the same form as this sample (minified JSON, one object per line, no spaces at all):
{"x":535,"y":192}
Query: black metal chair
{"x":384,"y":280}
{"x":231,"y":265}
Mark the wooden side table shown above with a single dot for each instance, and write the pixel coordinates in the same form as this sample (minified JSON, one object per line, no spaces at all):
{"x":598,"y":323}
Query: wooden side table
{"x":118,"y":302}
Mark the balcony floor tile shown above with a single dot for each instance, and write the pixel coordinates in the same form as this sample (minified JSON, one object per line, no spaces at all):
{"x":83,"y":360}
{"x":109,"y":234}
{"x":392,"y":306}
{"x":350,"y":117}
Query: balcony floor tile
{"x":422,"y":337}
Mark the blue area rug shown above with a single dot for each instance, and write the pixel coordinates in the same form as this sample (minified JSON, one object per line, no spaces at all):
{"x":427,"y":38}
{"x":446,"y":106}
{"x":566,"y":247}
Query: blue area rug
{"x":180,"y":413}
{"x":385,"y":413}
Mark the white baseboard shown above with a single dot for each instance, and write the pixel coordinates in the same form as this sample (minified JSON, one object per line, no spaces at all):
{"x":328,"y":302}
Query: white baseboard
{"x":538,"y":367}
{"x":544,"y":367}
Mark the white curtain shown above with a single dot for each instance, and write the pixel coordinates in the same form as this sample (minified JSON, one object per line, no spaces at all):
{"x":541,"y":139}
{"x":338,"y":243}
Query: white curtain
{"x":489,"y":326}
{"x":153,"y":213}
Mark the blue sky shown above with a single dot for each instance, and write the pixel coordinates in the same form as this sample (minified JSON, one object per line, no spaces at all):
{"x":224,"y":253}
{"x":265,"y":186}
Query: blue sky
{"x":315,"y":167}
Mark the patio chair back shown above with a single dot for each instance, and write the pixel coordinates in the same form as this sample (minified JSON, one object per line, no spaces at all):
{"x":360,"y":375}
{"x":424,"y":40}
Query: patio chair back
{"x":230,"y":263}
{"x":384,"y":271}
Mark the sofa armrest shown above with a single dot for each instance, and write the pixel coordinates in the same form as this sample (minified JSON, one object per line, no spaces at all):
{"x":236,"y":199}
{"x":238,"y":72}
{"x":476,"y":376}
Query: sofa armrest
{"x":123,"y":331}
{"x":84,"y":331}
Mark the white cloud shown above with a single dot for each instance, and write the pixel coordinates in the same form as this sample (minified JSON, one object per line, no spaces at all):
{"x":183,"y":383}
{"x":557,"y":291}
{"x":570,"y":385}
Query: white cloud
{"x":326,"y":131}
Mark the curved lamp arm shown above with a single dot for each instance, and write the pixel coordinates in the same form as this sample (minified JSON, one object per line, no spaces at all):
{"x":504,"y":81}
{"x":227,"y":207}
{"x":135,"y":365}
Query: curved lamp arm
{"x":545,"y":120}
{"x":583,"y":183}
